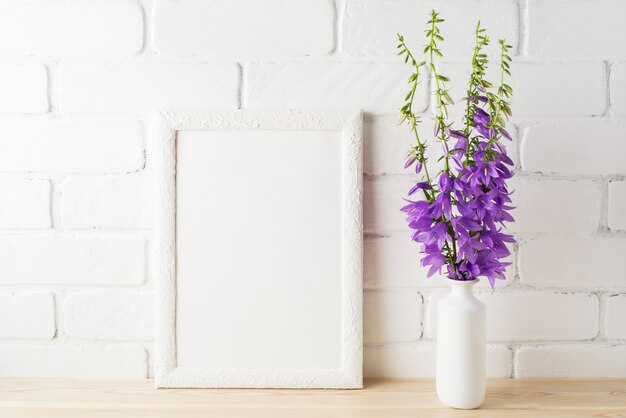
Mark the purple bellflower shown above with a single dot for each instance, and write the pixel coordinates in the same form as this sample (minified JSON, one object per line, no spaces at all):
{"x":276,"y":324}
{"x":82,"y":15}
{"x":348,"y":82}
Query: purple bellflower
{"x":458,"y":216}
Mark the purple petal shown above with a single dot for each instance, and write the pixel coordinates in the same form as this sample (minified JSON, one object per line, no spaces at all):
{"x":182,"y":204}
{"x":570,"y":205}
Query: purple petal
{"x":506,"y":134}
{"x":419,"y":186}
{"x":410,"y":161}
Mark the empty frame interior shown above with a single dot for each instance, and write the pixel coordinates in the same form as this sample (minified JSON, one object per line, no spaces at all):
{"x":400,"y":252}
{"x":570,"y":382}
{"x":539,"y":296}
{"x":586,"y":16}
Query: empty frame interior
{"x":258,"y":249}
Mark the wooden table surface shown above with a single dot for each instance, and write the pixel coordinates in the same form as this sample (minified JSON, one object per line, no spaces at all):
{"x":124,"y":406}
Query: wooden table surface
{"x":86,"y":398}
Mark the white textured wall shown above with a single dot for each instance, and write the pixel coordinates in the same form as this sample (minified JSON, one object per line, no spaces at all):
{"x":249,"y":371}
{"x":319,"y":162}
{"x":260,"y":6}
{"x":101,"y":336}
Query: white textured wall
{"x":80,"y":78}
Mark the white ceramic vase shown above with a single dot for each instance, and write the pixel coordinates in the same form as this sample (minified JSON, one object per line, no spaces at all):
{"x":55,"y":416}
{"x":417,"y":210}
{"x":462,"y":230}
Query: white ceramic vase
{"x":461,"y":347}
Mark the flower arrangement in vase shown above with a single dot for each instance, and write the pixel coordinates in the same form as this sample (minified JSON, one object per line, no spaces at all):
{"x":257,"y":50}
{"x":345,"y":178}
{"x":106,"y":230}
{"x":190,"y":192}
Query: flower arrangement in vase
{"x":459,"y":206}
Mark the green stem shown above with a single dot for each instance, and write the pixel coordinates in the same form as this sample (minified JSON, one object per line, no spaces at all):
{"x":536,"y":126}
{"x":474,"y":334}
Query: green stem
{"x":441,"y":120}
{"x":441,"y":105}
{"x":420,"y":144}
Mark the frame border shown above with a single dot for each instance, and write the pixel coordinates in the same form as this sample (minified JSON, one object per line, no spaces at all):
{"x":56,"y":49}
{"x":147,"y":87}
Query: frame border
{"x":167,"y":374}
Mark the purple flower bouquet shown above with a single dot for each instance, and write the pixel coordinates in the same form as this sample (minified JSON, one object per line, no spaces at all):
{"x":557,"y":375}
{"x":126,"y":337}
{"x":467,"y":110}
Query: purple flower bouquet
{"x":458,"y":214}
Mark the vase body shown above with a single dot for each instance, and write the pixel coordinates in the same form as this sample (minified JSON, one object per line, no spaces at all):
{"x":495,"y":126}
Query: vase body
{"x":461,"y":345}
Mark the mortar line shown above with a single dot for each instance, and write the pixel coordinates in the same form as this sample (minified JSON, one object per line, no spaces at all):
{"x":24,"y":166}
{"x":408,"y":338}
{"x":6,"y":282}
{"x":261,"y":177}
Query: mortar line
{"x":603,"y":226}
{"x":524,"y":27}
{"x":339,"y":7}
{"x":240,"y":86}
{"x":145,"y":50}
{"x":52,"y":87}
{"x":609,"y":104}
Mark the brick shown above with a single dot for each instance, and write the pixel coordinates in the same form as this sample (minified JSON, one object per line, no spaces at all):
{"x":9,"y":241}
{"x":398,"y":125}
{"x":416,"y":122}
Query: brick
{"x":23,"y":88}
{"x":107,"y":202}
{"x":539,"y":205}
{"x":573,"y":262}
{"x":69,"y":259}
{"x":370,"y":26}
{"x":26,"y":204}
{"x":603,"y":23}
{"x":531,"y":316}
{"x":76,"y":28}
{"x":418,"y":361}
{"x":394,"y":262}
{"x":71,"y":145}
{"x":575,"y":361}
{"x":563,"y":147}
{"x":392,"y":316}
{"x":27,"y":315}
{"x":556,"y":89}
{"x":109,"y":315}
{"x":386,"y":145}
{"x":373,"y":87}
{"x":113,"y":361}
{"x":618,"y":87}
{"x":141,"y":87}
{"x":615,"y":326}
{"x":617,"y":203}
{"x":250,"y":28}
{"x":383,"y":201}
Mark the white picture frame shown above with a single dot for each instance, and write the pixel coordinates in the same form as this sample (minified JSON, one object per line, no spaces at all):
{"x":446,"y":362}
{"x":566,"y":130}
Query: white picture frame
{"x":347,"y":370}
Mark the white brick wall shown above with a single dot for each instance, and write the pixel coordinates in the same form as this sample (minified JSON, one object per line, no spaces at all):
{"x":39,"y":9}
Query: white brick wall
{"x":382,"y":200}
{"x":615,"y":326}
{"x":119,"y":361}
{"x":110,"y":315}
{"x":76,"y":185}
{"x":561,"y":147}
{"x":371,"y":25}
{"x":540,"y":202}
{"x":94,"y":202}
{"x":602,"y":20}
{"x":418,"y":361}
{"x":71,"y":145}
{"x":198,"y":27}
{"x":26,"y":316}
{"x":23,"y":88}
{"x":618,"y":86}
{"x":557,"y":90}
{"x":617,"y":203}
{"x":371,"y":86}
{"x":573,"y":262}
{"x":590,"y":360}
{"x":531,"y":316}
{"x":25,"y":204}
{"x":144,"y":87}
{"x":70,"y":28}
{"x":392,"y":316}
{"x":393,"y":262}
{"x":72,"y":259}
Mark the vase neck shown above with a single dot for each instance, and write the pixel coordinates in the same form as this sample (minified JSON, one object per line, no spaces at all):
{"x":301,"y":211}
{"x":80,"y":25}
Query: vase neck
{"x":462,"y":287}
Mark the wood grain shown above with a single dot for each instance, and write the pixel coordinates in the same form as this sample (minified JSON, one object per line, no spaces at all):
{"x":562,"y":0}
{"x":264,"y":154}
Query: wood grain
{"x":69,"y":398}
